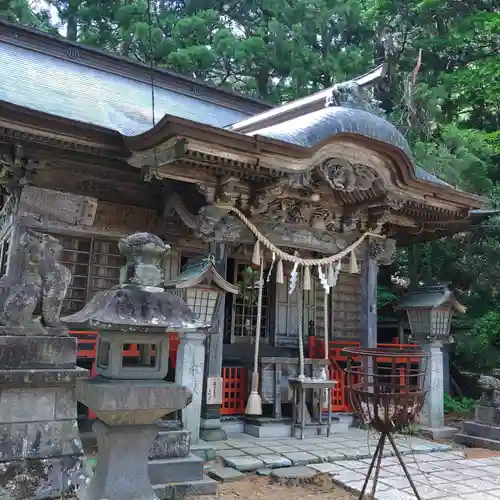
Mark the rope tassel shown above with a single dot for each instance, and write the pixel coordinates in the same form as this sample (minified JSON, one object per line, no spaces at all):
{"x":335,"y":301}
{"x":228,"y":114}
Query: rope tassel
{"x":256,"y":254}
{"x":254,"y":403}
{"x":306,"y":284}
{"x":279,"y":273}
{"x":353,"y":264}
{"x":331,"y":275}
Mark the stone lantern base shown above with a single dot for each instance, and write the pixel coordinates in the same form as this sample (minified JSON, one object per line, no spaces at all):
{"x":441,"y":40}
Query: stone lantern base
{"x":41,"y":455}
{"x":127,"y":412}
{"x":432,"y":417}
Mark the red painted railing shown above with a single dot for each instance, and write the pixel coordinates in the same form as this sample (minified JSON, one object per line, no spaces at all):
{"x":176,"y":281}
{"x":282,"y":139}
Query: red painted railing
{"x":338,"y":361}
{"x":234,"y":390}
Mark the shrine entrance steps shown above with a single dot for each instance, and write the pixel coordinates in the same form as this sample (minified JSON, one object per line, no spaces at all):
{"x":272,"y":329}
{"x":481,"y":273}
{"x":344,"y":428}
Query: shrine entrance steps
{"x":263,"y":427}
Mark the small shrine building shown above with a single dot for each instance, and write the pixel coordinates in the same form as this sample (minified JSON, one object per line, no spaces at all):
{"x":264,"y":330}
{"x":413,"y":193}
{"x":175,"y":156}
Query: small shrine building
{"x":82,"y":158}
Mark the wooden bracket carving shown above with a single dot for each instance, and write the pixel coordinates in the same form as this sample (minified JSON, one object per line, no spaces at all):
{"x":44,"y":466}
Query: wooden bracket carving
{"x":16,"y":170}
{"x":342,"y":175}
{"x":383,"y":251}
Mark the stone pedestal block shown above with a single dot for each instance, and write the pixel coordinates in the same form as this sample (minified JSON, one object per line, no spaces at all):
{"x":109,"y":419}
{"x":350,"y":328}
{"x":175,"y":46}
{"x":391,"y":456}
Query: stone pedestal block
{"x":433,"y":409}
{"x":41,"y":455}
{"x":173,"y":469}
{"x":189,"y":373}
{"x":487,"y":414}
{"x":170,"y":444}
{"x":122,"y":468}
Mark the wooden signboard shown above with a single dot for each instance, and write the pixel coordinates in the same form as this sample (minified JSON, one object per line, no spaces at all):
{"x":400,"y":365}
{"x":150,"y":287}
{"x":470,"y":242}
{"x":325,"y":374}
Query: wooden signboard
{"x":49,"y":206}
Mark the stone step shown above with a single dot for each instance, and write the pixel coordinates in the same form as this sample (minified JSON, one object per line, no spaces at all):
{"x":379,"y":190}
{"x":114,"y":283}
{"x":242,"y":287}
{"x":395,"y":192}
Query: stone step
{"x":481,"y":430}
{"x":172,"y":491}
{"x":176,"y":470}
{"x":477,"y":442}
{"x":282,"y":429}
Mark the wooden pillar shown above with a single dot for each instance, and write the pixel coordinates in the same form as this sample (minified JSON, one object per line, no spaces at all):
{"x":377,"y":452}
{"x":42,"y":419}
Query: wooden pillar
{"x":369,"y":271}
{"x":212,"y":391}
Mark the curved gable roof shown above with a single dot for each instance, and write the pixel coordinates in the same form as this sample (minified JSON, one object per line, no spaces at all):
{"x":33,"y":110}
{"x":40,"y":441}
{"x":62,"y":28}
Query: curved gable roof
{"x":314,"y":128}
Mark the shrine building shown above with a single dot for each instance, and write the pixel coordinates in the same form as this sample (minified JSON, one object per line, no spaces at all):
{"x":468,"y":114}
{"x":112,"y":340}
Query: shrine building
{"x":84,"y":158}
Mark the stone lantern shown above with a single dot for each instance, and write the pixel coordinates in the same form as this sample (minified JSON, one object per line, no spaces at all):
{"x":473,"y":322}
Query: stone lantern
{"x":203,"y":287}
{"x":128,"y":400}
{"x":430,"y":310}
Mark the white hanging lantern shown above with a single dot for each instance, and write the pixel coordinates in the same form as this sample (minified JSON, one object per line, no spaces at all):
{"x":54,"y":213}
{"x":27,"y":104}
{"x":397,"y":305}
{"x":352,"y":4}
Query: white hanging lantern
{"x":203,"y":286}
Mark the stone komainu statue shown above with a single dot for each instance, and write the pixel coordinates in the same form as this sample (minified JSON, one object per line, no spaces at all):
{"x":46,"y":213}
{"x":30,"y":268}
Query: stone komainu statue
{"x":43,"y":281}
{"x":491,"y":390}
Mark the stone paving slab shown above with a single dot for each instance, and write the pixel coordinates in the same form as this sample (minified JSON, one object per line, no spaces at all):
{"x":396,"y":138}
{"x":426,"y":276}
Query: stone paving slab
{"x":244,"y":464}
{"x":353,"y":444}
{"x":469,"y":480}
{"x":301,"y":458}
{"x":275,"y":461}
{"x":439,"y":471}
{"x":225,"y":474}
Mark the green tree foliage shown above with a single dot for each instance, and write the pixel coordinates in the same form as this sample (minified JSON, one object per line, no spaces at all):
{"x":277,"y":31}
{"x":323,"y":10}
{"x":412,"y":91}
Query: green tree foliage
{"x":23,"y":12}
{"x":442,"y":90}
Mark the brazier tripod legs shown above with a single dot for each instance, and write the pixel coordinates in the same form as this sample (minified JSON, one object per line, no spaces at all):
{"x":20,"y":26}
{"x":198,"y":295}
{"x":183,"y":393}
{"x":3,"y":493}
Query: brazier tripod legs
{"x":377,"y":458}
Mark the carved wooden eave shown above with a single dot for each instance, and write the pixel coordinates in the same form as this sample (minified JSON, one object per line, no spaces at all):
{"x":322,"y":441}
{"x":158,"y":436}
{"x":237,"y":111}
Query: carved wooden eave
{"x":212,"y":224}
{"x":210,"y":154}
{"x":217,"y":151}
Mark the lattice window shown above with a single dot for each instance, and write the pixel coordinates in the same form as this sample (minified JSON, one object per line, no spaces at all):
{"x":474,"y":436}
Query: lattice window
{"x":106,"y":265}
{"x":76,"y":256}
{"x":234,"y":391}
{"x":245,"y":304}
{"x":347,"y":306}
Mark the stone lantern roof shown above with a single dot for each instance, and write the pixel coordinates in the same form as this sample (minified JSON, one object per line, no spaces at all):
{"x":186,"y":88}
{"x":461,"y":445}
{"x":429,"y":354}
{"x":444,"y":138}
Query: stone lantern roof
{"x":429,"y":297}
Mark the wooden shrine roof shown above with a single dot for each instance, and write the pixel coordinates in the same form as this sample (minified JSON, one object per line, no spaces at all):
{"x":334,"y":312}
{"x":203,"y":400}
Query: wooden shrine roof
{"x":322,"y":158}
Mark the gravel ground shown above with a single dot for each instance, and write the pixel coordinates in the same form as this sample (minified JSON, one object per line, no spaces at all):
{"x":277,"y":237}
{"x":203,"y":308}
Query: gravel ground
{"x":257,"y":488}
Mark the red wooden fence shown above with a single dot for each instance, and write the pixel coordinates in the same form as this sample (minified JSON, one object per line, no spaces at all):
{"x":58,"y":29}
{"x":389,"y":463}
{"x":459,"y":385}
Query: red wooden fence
{"x":234,"y":378}
{"x":338,"y":361}
{"x":234,"y":390}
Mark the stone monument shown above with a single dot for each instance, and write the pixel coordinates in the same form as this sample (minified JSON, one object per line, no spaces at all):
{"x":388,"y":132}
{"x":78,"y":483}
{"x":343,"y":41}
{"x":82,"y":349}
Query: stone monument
{"x":128,"y":400}
{"x":41,"y":454}
{"x":484,"y":430}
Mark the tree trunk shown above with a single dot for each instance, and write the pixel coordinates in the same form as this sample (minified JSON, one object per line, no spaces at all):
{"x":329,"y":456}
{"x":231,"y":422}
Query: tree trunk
{"x":72,"y":27}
